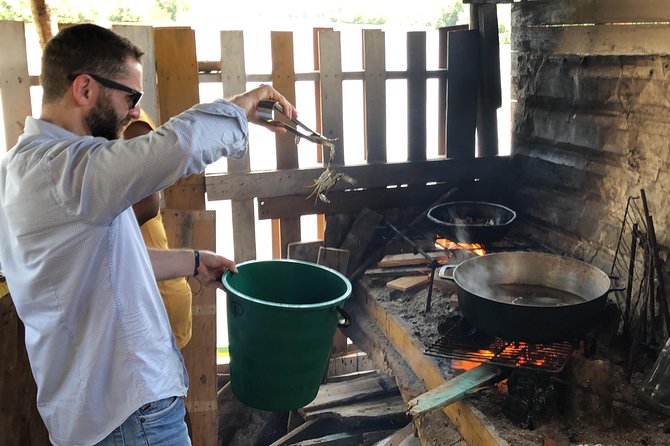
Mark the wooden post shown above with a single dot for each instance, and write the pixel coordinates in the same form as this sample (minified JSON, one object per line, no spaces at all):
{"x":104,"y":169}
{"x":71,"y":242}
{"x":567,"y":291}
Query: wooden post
{"x":42,"y":19}
{"x":14,"y":80}
{"x":283,"y":79}
{"x":462,"y":86}
{"x":489,"y":98}
{"x":234,"y":81}
{"x":185,"y":215}
{"x":374,"y":92}
{"x":416,"y":96}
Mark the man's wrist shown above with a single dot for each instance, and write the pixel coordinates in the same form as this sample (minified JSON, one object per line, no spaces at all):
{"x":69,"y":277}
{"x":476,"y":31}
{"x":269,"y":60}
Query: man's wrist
{"x":196,"y":255}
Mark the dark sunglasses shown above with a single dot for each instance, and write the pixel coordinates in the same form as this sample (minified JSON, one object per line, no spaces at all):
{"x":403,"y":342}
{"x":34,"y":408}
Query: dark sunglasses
{"x":135,"y":95}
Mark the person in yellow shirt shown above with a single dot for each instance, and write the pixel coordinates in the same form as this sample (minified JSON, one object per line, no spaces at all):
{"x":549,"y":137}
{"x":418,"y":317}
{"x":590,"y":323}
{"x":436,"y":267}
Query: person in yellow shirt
{"x":176,"y":293}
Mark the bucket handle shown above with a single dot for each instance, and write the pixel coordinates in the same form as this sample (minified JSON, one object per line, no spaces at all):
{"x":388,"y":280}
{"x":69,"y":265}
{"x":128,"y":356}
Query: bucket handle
{"x":345,"y":319}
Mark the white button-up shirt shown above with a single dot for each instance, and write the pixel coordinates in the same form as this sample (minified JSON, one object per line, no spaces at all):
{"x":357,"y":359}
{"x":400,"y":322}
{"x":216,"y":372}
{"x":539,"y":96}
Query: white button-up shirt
{"x":96,"y":331}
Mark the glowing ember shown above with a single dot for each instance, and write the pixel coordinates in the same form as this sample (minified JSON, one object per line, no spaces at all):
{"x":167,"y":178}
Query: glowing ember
{"x":448,"y":244}
{"x":525,"y":355}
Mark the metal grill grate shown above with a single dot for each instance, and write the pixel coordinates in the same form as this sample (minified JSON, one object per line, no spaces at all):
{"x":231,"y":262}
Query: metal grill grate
{"x":477,"y":347}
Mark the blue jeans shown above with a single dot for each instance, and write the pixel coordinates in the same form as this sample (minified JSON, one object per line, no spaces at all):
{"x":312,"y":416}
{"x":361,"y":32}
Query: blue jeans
{"x":158,"y":423}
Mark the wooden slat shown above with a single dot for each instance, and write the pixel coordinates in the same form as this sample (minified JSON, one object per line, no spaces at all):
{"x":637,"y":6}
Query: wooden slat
{"x":283,"y":79}
{"x":601,"y":40}
{"x":490,"y":96}
{"x":177,"y":91}
{"x":408,"y":283}
{"x":442,"y":95}
{"x":20,"y":423}
{"x":291,"y":182}
{"x":197,"y":229}
{"x":462,"y":86}
{"x":188,"y":224}
{"x":374,"y":93}
{"x":233,"y":78}
{"x":416,"y":96}
{"x":352,"y":201}
{"x":590,"y":11}
{"x":330,"y":60}
{"x":452,"y":390}
{"x":14,"y":80}
{"x":143,"y":37}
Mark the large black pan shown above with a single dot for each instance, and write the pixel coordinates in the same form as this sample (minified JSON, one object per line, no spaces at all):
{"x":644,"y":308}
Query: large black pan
{"x":530,"y":296}
{"x":472,"y":221}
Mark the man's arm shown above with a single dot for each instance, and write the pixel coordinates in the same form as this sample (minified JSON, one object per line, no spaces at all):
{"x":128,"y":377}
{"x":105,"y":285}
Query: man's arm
{"x":173,"y":263}
{"x":147,"y":208}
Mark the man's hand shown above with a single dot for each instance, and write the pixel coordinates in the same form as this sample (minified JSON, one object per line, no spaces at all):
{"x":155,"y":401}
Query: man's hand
{"x":212,"y":266}
{"x":249,"y":103}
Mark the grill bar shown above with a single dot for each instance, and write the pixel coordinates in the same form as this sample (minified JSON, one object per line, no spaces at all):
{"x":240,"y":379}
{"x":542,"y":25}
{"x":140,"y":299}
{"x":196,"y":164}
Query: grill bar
{"x":467,"y":345}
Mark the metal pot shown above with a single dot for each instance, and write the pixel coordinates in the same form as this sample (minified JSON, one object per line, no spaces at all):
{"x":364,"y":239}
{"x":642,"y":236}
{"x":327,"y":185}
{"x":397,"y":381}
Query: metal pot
{"x":472,"y":221}
{"x":530,"y":296}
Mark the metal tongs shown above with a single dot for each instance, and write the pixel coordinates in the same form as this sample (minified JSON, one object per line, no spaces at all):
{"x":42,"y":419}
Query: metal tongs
{"x":272,"y":113}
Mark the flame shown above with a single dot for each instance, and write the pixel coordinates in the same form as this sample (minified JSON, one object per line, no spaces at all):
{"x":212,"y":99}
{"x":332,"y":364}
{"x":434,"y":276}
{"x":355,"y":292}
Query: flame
{"x":520,"y":350}
{"x":448,"y":244}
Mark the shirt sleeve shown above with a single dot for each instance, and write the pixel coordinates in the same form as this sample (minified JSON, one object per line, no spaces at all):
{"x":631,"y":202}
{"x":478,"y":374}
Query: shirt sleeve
{"x":98,"y":179}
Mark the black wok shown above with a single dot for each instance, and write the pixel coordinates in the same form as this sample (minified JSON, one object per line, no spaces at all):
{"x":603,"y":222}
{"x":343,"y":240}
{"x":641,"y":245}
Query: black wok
{"x":530,"y":296}
{"x":472,"y":221}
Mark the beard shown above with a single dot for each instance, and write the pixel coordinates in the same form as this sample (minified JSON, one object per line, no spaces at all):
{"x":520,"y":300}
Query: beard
{"x":103,"y":121}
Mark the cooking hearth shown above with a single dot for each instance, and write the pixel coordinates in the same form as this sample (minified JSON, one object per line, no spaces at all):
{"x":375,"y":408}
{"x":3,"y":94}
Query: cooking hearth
{"x":577,"y":393}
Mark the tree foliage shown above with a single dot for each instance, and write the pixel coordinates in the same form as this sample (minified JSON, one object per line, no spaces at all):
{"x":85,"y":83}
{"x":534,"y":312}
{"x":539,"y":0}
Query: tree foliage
{"x":450,"y":15}
{"x":76,"y":11}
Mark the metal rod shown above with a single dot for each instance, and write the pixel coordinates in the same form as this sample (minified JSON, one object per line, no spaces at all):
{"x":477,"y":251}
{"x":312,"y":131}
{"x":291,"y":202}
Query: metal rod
{"x":663,"y":299}
{"x":629,"y":285}
{"x":433,"y":262}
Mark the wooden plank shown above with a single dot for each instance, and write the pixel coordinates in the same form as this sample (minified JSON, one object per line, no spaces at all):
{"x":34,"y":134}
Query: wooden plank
{"x":408,"y":283}
{"x":234,"y":185}
{"x":143,"y":37}
{"x":590,"y":12}
{"x":416,"y":96}
{"x":407,"y":259}
{"x":345,"y":392}
{"x":353,"y":201}
{"x":308,"y":251}
{"x":20,"y":423}
{"x":489,"y":98}
{"x":452,"y":390}
{"x":389,"y":407}
{"x":297,"y":434}
{"x":600,"y":40}
{"x":360,"y":236}
{"x":330,"y":61}
{"x":462,"y":86}
{"x":178,"y":90}
{"x":442,"y":95}
{"x":233,"y":78}
{"x":283,"y":79}
{"x":374,"y":95}
{"x":337,"y":259}
{"x":197,"y":229}
{"x":14,"y":80}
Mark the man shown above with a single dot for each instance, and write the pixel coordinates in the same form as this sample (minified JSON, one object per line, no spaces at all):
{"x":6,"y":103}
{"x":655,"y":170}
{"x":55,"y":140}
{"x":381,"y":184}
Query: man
{"x":97,"y":333}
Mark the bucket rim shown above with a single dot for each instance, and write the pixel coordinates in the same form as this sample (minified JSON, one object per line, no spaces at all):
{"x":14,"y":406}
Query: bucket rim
{"x":230,"y":289}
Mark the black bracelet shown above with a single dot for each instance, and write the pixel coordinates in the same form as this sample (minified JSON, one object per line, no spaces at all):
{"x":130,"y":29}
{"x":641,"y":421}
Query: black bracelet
{"x":196,"y":253}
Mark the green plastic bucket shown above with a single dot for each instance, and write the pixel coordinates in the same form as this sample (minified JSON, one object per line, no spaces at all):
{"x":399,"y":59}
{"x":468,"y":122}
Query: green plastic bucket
{"x":282,"y":315}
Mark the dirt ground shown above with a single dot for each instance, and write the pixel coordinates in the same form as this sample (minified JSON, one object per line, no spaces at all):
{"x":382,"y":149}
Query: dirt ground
{"x":622,"y":419}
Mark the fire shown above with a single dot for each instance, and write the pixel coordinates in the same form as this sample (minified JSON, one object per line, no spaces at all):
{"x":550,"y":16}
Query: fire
{"x":448,"y":244}
{"x":525,"y":354}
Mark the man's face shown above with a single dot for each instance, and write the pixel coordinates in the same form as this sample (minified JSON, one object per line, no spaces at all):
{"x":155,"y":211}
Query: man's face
{"x":103,"y":120}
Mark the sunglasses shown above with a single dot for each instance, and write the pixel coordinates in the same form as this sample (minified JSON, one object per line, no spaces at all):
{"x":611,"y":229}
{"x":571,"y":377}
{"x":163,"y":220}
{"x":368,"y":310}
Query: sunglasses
{"x":134,"y":97}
